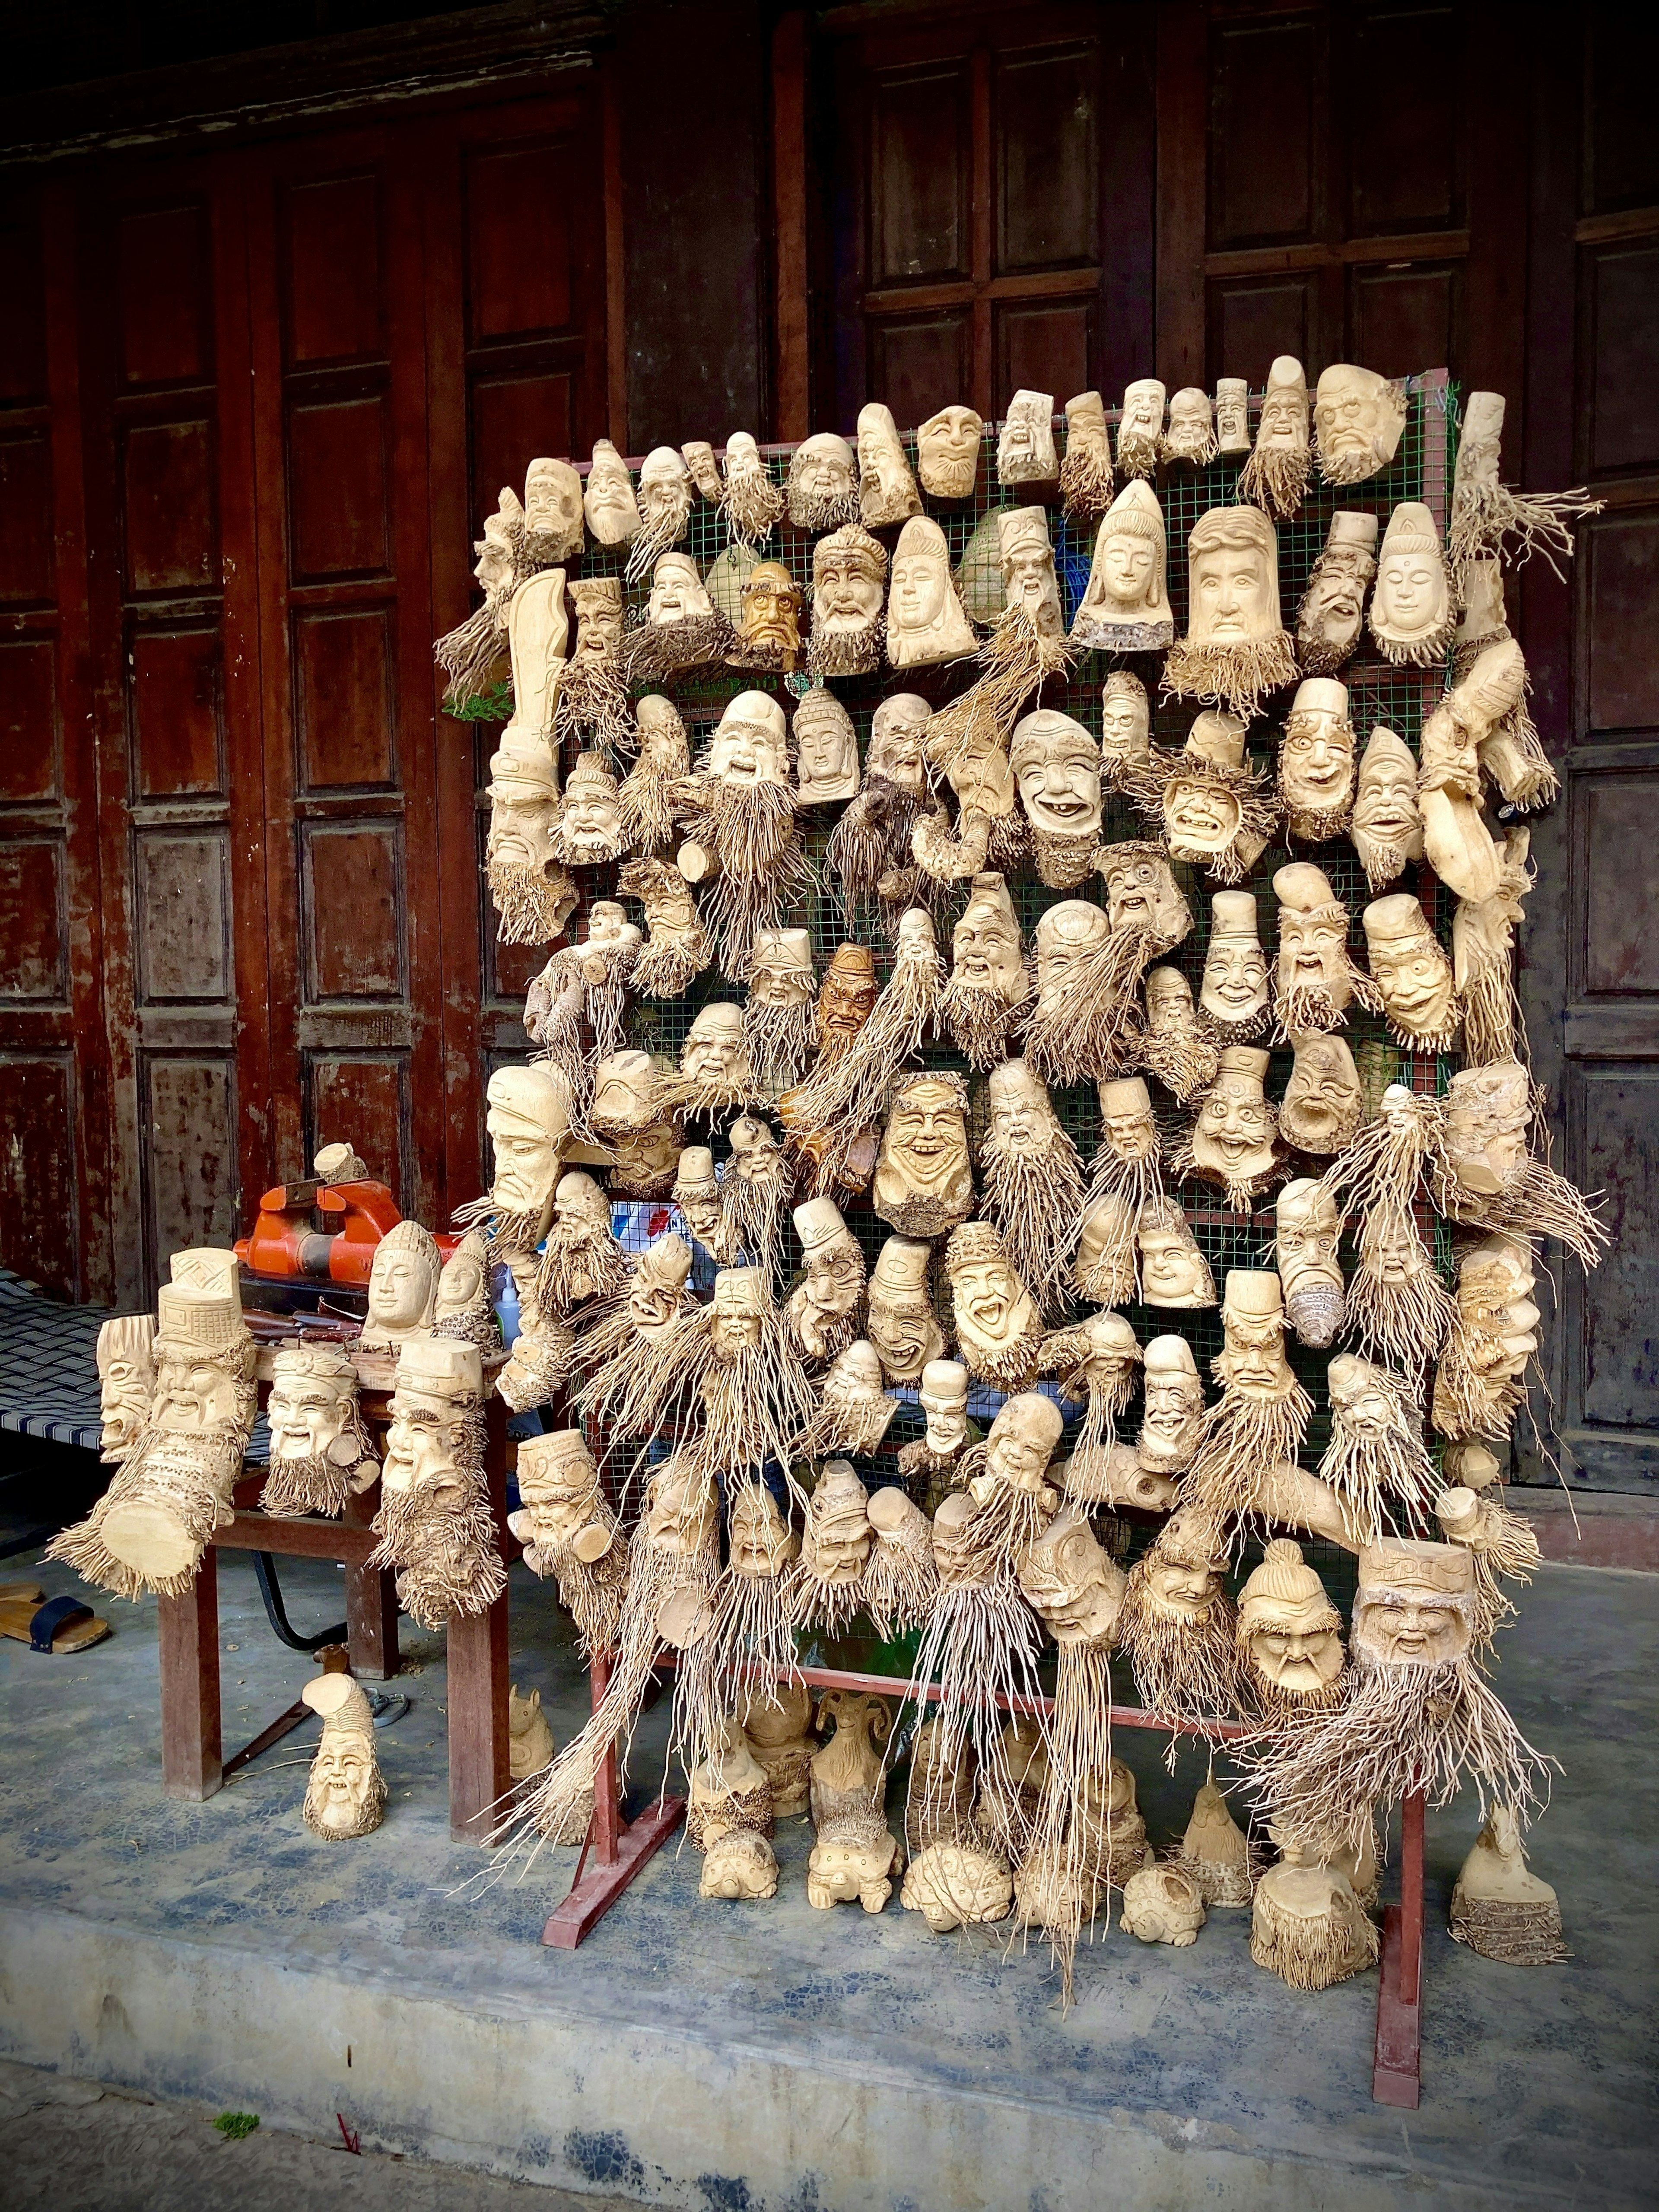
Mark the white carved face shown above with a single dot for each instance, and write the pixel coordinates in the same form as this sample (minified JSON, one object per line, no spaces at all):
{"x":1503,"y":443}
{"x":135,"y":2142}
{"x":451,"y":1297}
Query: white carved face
{"x":1411,"y":597}
{"x":1336,"y":597}
{"x":1322,"y":1098}
{"x":1316,"y":761}
{"x":1028,"y":582}
{"x":305,"y":1413}
{"x":714,"y":1050}
{"x":553,"y":501}
{"x":846,"y":587}
{"x":1125,"y":726}
{"x":1232,"y":595}
{"x":590,"y":820}
{"x":826,"y":744}
{"x":1235,"y":978}
{"x":1313,"y":946}
{"x":1310,"y":1230}
{"x":1057,"y":763}
{"x":526,"y":1164}
{"x":1386,"y":807}
{"x":926,"y":1137}
{"x":192,"y":1395}
{"x":522,"y":820}
{"x":947,"y":1420}
{"x":1199,"y":817}
{"x":1298,"y":1651}
{"x":1284,"y":424}
{"x":1415,"y":978}
{"x":1173,"y":1272}
{"x":665,"y":485}
{"x":1404,"y":1624}
{"x":341,"y":1783}
{"x":781,"y":975}
{"x":896,"y":747}
{"x":947,"y":451}
{"x":922,"y":578}
{"x":1021,"y":1118}
{"x":745,"y":752}
{"x":823,"y":467}
{"x":985,"y":950}
{"x":401,"y":1284}
{"x":1175,"y":1411}
{"x":1169,"y":1003}
{"x":988,"y":1299}
{"x":1347,"y":414}
{"x":1126,"y":565}
{"x":1143,"y":409}
{"x":1065,"y":936}
{"x":1234,"y":1129}
{"x":609,"y":498}
{"x":677,"y":591}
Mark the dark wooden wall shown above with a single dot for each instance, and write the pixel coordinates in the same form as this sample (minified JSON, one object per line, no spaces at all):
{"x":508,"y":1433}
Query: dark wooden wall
{"x":256,"y":397}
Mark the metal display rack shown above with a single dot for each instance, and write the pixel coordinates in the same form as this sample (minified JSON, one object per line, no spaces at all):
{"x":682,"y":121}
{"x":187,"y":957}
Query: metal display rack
{"x":1379,"y":692}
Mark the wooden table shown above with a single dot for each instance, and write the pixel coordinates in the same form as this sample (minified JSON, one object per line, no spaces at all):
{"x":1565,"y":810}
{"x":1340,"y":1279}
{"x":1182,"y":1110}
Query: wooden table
{"x":193,"y":1750}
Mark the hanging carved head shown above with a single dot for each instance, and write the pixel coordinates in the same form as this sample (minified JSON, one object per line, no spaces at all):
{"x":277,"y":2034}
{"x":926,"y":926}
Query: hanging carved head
{"x":924,"y":1180}
{"x":1174,"y":1413}
{"x":896,"y":746}
{"x":984,"y":944}
{"x":1415,"y":1604}
{"x":1315,"y":756}
{"x":826,"y":748}
{"x":1233,"y":1136}
{"x":835,"y":1545}
{"x":742,"y":1301}
{"x":1358,"y":417}
{"x":1127,"y":1129}
{"x":1283,"y":427}
{"x":780,"y":968}
{"x":1020,"y":1116}
{"x":1057,"y":764}
{"x":902,"y":1325}
{"x":1174,"y":1273}
{"x":947,"y":451}
{"x":553,"y":509}
{"x":1141,"y":893}
{"x":1323,"y":1103}
{"x":659,"y":1277}
{"x":822,"y":483}
{"x":1488,"y":1115}
{"x":1235,"y":985}
{"x":925,"y":621}
{"x":1409,"y":967}
{"x":1412,"y":600}
{"x":528,"y":1121}
{"x":1252,"y":1359}
{"x":751,"y":744}
{"x":1125,"y":720}
{"x":1289,"y":1632}
{"x":1028,"y":568}
{"x":612,"y":512}
{"x":1232,"y":556}
{"x":1070,"y":1583}
{"x":677,"y":591}
{"x":312,"y":1407}
{"x":944,"y":1399}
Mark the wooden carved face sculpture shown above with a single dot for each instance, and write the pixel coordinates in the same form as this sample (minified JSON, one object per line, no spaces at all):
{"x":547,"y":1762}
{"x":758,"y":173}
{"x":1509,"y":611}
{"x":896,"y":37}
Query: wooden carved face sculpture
{"x":924,"y":1181}
{"x":1488,"y":1113}
{"x":1071,"y":1584}
{"x":1127,"y":1129}
{"x":1283,"y":428}
{"x":1310,"y":1231}
{"x":1066,"y":935}
{"x":1126,"y":724}
{"x":838,"y":1538}
{"x":762,"y":1543}
{"x":682,"y":1512}
{"x":126,"y":1374}
{"x":781,"y":969}
{"x":1415,"y":1604}
{"x":1387,"y":821}
{"x":590,"y":830}
{"x":1412,"y":611}
{"x":1290,"y":1631}
{"x":769,"y":625}
{"x":1233,"y":578}
{"x":664,"y":492}
{"x":559,"y":1484}
{"x":697,"y":1194}
{"x":1314,"y":982}
{"x":1025,"y":449}
{"x":1057,"y":764}
{"x":1028,"y":569}
{"x":1358,"y":419}
{"x":925,"y":621}
{"x":826,"y":749}
{"x":597,"y":602}
{"x":895,"y":746}
{"x":1234,"y":991}
{"x":1184,"y":1568}
{"x":345,"y":1793}
{"x":677,"y":592}
{"x":1329,"y":619}
{"x":1233,"y":415}
{"x":1411,"y":971}
{"x":714,"y":1056}
{"x":659,"y":1279}
{"x":1020,"y":1118}
{"x":553,"y":509}
{"x":311,"y":1410}
{"x":1252,"y":1359}
{"x":1496,"y":1317}
{"x":849,"y":578}
{"x":1174,"y":1414}
{"x":1170,"y":1009}
{"x":523,"y":807}
{"x":495,"y":566}
{"x":612,"y":511}
{"x":902,"y":1326}
{"x":750,"y":745}
{"x":742,"y":1302}
{"x":1233,"y":1137}
{"x":662,"y":735}
{"x":1174,"y":1273}
{"x":985,"y":948}
{"x":996,"y":1316}
{"x":944,"y":1399}
{"x":427,"y":1440}
{"x":887,"y":491}
{"x":823,"y":484}
{"x":1191,"y":434}
{"x":404,"y":1279}
{"x":527,"y":1123}
{"x":847,"y":996}
{"x":1104,"y":1269}
{"x":1140,"y":426}
{"x":832,"y":1264}
{"x":1316,"y":760}
{"x":1323,"y":1103}
{"x":947,"y":451}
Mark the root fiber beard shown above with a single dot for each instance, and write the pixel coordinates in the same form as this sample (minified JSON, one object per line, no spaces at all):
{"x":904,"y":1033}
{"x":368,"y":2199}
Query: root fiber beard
{"x":645,"y":807}
{"x":1535,"y":1202}
{"x":1244,"y":1438}
{"x":446,"y":1555}
{"x":780,"y":1040}
{"x":844,"y":652}
{"x":580,"y":1260}
{"x":593,"y":704}
{"x":1231,"y":676}
{"x":751,"y":503}
{"x":1074,"y":1849}
{"x":981,"y":1022}
{"x":656,"y":532}
{"x":1035,"y":1202}
{"x":844,"y":1096}
{"x":1185,"y":1668}
{"x":1017,"y":657}
{"x":1093,"y":1028}
{"x":1484,"y":513}
{"x":1137,"y":454}
{"x":1300,"y":1007}
{"x":468,"y":653}
{"x":1399,"y":1728}
{"x":1375,"y":1477}
{"x":872,"y":837}
{"x":651,"y":651}
{"x":751,"y":828}
{"x":532,"y":905}
{"x":313,"y":1482}
{"x":1184,"y":1060}
{"x":1275,"y":479}
{"x":756,"y":1402}
{"x":755,"y":1203}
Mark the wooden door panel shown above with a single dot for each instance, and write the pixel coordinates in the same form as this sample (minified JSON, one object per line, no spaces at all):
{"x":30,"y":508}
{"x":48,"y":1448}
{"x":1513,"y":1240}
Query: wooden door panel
{"x":1402,"y":320}
{"x":522,"y":262}
{"x":182,"y":891}
{"x":1265,"y":118}
{"x":168,"y":499}
{"x":515,"y":415}
{"x":1616,"y":826}
{"x":1045,"y":110}
{"x":23,"y":327}
{"x":189,"y":1170}
{"x":353,"y":902}
{"x":38,"y":1178}
{"x":338,"y":491}
{"x":1254,"y":319}
{"x":1620,"y":564}
{"x":1404,"y":176}
{"x":165,"y":318}
{"x":26,"y":519}
{"x":177,"y":695}
{"x":34,"y":923}
{"x":919,"y":363}
{"x":367,"y":1094}
{"x":330,"y":233}
{"x":1043,"y":346}
{"x":920,"y":175}
{"x":1623,"y":286}
{"x":31,"y":761}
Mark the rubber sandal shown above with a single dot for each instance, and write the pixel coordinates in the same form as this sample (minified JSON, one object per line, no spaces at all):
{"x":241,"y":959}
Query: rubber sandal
{"x":60,"y":1626}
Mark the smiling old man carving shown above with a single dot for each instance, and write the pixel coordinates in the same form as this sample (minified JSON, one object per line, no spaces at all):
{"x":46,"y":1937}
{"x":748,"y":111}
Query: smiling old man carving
{"x":1388,"y":820}
{"x":1085,"y":472}
{"x":1233,"y":996}
{"x":822,"y":489}
{"x":887,"y":491}
{"x":849,"y":582}
{"x":1140,"y":427}
{"x":320,"y":1452}
{"x":1233,"y":1141}
{"x":924,"y":1181}
{"x":1315,"y":982}
{"x":990,"y":985}
{"x":1276,"y":475}
{"x":612,"y":512}
{"x":1057,"y":763}
{"x":1329,"y":620}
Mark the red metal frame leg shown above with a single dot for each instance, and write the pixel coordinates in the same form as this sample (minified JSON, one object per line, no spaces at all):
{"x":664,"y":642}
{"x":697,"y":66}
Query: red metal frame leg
{"x":613,"y":1853}
{"x":1396,"y":2080}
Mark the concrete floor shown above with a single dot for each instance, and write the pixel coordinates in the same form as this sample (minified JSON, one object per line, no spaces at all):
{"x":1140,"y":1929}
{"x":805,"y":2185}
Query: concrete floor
{"x":769,"y":2058}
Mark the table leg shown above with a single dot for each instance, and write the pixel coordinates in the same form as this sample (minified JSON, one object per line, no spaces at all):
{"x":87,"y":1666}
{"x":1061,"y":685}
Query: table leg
{"x":371,"y":1608}
{"x":191,"y":1748}
{"x":480,"y":1763}
{"x":1396,"y":2078}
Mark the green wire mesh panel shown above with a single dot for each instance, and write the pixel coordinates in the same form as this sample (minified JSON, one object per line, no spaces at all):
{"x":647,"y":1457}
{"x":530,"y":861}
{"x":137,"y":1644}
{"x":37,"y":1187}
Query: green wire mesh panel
{"x":1379,"y":693}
